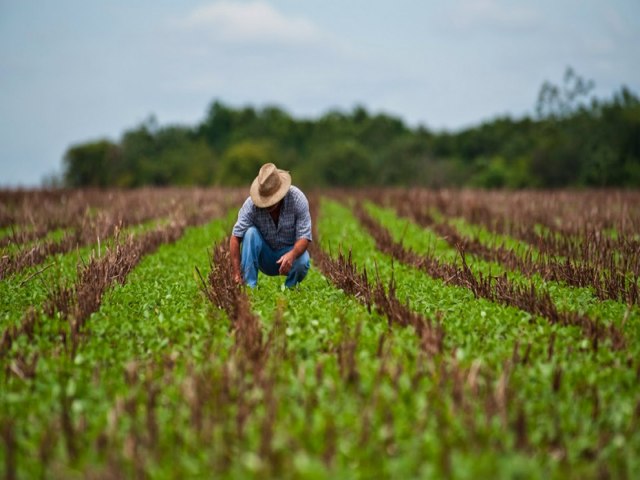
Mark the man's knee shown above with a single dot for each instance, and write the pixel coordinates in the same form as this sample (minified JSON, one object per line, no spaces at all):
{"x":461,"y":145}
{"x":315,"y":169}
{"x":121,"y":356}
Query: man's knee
{"x":301,"y":265}
{"x":251,"y":235}
{"x":298,"y":270}
{"x":251,"y":246}
{"x":252,"y":239}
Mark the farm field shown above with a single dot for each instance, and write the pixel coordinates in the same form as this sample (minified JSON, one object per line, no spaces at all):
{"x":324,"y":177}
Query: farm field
{"x":439,"y":334}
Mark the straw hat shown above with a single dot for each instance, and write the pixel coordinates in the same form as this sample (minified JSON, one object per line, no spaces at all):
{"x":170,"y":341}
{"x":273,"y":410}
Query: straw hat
{"x":270,"y":186}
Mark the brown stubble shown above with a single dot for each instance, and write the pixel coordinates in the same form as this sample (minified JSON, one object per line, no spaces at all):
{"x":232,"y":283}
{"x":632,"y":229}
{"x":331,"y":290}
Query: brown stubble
{"x":499,"y":289}
{"x":574,"y":250}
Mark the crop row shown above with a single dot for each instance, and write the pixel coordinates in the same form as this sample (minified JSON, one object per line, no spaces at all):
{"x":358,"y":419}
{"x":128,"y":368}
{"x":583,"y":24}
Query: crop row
{"x":610,"y":266}
{"x":351,"y":379}
{"x":81,"y":370}
{"x":470,"y":389}
{"x":85,"y":222}
{"x":494,"y":288}
{"x":30,"y":215}
{"x":75,"y":303}
{"x":595,"y":228}
{"x":31,"y":211}
{"x":481,"y":331}
{"x":570,"y":213}
{"x":570,"y":299}
{"x":372,"y":365}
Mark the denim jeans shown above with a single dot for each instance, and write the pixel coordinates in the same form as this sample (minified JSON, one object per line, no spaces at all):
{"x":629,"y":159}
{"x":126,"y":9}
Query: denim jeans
{"x":258,"y":255}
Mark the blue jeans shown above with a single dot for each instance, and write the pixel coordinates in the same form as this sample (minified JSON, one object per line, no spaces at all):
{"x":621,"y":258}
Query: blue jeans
{"x":258,"y":255}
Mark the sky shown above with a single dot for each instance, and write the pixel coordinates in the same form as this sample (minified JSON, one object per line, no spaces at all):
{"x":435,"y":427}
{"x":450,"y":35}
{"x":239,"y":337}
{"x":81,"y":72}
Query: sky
{"x":75,"y":70}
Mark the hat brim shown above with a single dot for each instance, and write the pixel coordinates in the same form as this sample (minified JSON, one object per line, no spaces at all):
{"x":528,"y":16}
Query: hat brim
{"x":270,"y":200}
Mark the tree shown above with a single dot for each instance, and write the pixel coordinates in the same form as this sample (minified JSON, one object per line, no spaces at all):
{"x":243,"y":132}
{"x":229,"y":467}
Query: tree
{"x":191,"y":162}
{"x":343,"y":164}
{"x":404,"y":161}
{"x":90,"y":164}
{"x":138,"y":150}
{"x":573,"y":140}
{"x":240,"y":163}
{"x":218,"y":125}
{"x":557,"y":102}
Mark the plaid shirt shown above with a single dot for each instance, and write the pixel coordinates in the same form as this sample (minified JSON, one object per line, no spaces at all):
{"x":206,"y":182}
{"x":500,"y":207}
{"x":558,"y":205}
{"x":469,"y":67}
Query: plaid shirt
{"x":294,"y":222}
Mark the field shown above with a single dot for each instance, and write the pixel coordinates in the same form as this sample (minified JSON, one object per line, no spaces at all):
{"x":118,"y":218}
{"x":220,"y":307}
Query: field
{"x":439,"y":334}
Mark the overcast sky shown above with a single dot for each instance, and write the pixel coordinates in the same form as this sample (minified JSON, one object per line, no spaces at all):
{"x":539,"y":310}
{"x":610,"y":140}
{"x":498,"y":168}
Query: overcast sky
{"x":77,"y":70}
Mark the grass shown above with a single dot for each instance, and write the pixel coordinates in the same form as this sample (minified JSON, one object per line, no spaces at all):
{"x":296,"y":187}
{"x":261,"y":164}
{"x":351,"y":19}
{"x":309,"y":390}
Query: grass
{"x":158,"y":387}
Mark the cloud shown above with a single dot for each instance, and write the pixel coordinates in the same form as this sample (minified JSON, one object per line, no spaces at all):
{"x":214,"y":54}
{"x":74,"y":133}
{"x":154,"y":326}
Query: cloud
{"x":251,"y":22}
{"x":252,"y":51}
{"x":468,"y":14}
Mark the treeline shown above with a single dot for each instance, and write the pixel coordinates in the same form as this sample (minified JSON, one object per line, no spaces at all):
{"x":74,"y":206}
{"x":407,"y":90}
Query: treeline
{"x":573,"y":140}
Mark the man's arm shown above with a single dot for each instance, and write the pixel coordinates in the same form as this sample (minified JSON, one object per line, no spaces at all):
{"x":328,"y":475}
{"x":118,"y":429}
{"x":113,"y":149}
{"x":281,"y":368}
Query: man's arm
{"x":234,"y":251}
{"x":286,"y":260}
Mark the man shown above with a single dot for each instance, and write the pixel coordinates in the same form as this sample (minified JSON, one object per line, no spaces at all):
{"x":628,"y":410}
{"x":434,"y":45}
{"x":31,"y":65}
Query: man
{"x":273,"y":230}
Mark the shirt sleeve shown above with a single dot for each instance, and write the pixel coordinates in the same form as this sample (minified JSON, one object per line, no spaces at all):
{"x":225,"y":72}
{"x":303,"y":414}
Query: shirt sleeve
{"x":245,"y":219}
{"x":303,"y":217}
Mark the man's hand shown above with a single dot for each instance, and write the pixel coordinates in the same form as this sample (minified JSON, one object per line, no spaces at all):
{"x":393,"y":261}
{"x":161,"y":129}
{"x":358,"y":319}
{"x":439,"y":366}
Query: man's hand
{"x":237,"y":278}
{"x":286,"y":262}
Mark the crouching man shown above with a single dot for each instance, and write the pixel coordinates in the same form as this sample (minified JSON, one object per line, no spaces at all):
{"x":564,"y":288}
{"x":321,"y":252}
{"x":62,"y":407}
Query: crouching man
{"x":273,"y":230}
